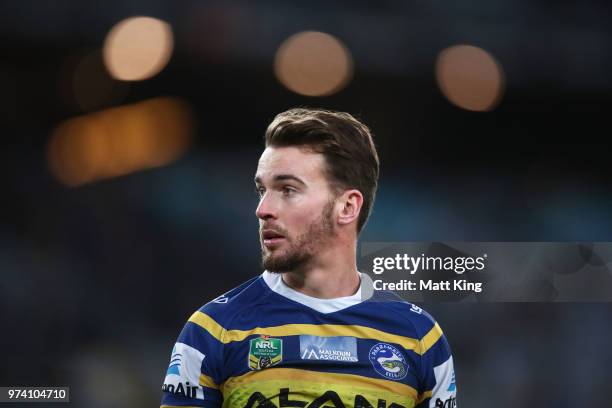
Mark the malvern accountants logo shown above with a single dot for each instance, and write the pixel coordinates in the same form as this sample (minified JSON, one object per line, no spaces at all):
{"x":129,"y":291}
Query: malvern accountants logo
{"x":264,"y":352}
{"x":338,"y":348}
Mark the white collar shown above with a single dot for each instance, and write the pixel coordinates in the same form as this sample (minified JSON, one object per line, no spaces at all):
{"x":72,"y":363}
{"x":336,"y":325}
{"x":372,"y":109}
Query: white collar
{"x":275,"y":282}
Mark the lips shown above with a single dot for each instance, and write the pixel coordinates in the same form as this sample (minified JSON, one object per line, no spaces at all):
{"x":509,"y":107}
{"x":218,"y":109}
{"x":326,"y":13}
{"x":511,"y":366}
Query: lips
{"x":271,"y":238}
{"x":271,"y":234}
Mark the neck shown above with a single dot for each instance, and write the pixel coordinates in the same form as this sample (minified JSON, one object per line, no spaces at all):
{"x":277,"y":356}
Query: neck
{"x":331,"y":275}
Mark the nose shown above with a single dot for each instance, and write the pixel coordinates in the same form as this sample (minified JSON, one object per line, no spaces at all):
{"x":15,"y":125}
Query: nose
{"x":265,"y":210}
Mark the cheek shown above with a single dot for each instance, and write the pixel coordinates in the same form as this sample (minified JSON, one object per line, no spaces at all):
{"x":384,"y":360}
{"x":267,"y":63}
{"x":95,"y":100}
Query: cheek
{"x":297,"y":222}
{"x":304,"y":219}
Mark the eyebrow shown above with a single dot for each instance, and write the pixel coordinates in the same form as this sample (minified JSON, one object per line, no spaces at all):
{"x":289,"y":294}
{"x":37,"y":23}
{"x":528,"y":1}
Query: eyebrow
{"x":282,"y":177}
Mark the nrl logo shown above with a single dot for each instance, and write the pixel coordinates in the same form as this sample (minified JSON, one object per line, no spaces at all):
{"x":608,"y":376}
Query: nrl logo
{"x":264,"y":352}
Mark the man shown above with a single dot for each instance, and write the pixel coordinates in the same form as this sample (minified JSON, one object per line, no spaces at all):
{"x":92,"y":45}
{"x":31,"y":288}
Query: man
{"x":304,"y":333}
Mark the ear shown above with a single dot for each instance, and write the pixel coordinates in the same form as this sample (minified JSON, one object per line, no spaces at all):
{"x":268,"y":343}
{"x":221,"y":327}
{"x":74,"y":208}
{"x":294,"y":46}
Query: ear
{"x":350,"y":206}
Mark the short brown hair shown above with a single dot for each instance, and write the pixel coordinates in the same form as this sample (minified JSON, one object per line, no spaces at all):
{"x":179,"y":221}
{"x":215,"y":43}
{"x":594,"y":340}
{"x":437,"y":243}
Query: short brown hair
{"x":345,"y":143}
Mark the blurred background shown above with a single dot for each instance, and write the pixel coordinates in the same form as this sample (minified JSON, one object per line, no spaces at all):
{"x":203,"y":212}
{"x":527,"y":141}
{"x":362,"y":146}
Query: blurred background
{"x":131,"y":133}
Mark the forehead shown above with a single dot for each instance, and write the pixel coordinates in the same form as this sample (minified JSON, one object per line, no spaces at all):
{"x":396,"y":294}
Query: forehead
{"x":290,"y":160}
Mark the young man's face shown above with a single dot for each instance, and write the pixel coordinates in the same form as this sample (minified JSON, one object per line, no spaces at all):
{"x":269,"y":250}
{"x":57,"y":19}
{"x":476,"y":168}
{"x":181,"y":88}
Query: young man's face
{"x":296,"y":207}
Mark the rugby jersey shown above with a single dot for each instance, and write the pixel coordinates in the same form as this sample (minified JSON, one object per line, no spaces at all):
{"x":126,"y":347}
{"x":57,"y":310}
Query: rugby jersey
{"x":264,"y":344}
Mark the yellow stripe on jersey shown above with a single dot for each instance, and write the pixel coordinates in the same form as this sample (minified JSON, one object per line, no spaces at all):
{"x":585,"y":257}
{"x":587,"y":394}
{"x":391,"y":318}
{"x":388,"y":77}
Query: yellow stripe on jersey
{"x":322,"y":330}
{"x":177,"y":406}
{"x":424,"y":396}
{"x":431,"y":338}
{"x":208,"y":324}
{"x":307,"y":378}
{"x":208,"y":382}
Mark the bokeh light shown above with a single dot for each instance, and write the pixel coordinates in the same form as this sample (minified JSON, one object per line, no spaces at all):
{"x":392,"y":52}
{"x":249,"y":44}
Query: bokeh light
{"x":470,"y":77}
{"x":312,"y":63}
{"x":86,"y":85}
{"x":120,"y":141}
{"x":138,"y":48}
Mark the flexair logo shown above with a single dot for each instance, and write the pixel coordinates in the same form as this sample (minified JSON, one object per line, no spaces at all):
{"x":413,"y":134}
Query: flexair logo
{"x":453,"y":386}
{"x":264,"y":352}
{"x":181,"y":390}
{"x":450,"y":402}
{"x":175,"y":362}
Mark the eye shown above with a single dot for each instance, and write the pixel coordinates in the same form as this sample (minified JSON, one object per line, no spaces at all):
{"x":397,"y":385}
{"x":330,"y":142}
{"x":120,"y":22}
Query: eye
{"x":260,"y":191}
{"x":287,"y":190}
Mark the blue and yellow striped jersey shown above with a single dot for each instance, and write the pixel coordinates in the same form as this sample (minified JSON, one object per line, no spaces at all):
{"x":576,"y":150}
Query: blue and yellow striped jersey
{"x":265,"y":345}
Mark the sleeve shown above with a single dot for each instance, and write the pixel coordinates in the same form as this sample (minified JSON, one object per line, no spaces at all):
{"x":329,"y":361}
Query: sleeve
{"x":195,"y":370}
{"x":439,"y":389}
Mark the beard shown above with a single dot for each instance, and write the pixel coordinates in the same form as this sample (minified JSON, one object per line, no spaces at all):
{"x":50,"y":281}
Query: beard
{"x":304,"y":247}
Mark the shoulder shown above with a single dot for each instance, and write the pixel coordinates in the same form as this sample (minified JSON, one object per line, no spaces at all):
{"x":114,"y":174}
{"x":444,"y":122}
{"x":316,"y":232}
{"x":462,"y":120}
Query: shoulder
{"x":419,"y":320}
{"x":207,"y":327}
{"x":221,"y":310}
